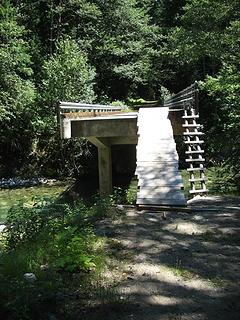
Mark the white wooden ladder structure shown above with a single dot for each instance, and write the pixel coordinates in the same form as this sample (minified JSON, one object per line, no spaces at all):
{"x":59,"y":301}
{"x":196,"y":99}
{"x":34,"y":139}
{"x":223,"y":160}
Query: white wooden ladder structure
{"x":159,"y":180}
{"x":194,"y":152}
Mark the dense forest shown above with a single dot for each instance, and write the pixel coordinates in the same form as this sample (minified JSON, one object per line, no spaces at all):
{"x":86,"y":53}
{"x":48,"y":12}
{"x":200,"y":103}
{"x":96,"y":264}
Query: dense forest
{"x":113,"y":51}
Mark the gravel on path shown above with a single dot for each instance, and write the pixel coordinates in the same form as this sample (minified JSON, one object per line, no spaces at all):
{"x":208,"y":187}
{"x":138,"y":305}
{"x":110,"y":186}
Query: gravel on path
{"x":176,"y":265}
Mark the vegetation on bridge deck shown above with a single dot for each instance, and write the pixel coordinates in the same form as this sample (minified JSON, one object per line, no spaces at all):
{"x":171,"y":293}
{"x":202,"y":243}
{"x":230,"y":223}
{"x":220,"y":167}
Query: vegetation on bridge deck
{"x":90,"y":114}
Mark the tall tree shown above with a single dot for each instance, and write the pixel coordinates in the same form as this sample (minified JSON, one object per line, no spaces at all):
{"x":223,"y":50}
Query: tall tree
{"x":17,"y":92}
{"x":67,"y":75}
{"x":123,"y":55}
{"x":207,"y":42}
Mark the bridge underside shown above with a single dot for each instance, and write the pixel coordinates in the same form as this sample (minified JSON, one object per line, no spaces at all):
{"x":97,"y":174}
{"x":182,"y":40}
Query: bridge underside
{"x":106,"y":131}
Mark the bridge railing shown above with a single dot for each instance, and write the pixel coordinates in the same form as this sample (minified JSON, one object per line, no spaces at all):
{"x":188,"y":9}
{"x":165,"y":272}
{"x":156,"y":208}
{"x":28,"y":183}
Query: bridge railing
{"x":71,"y":107}
{"x":184,"y":100}
{"x":68,"y":111}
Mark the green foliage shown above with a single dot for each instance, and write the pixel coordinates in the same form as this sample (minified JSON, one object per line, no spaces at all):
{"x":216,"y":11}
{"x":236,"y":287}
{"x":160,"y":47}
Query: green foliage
{"x":11,"y":197}
{"x":67,"y":75}
{"x":131,"y":194}
{"x":27,"y":220}
{"x":99,"y":207}
{"x":53,"y":157}
{"x":124,"y":54}
{"x":224,"y":179}
{"x":224,"y":90}
{"x":21,"y":300}
{"x":118,"y":196}
{"x":74,"y":250}
{"x":125,"y":196}
{"x":220,"y":180}
{"x":205,"y":43}
{"x":16,"y":89}
{"x":201,"y":33}
{"x":133,"y":102}
{"x":55,"y":242}
{"x":118,"y":103}
{"x":45,"y":217}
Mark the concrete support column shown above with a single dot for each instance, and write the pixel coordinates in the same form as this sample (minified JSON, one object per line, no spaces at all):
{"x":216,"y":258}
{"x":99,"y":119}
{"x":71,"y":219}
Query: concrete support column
{"x":66,"y":129}
{"x":105,"y":170}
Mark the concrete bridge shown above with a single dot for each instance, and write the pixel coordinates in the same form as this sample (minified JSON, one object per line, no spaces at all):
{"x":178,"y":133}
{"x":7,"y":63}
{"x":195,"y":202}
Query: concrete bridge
{"x":105,"y":126}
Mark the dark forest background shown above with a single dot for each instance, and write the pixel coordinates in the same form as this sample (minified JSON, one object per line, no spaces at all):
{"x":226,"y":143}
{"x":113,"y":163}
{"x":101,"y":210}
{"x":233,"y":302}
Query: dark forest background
{"x":105,"y":51}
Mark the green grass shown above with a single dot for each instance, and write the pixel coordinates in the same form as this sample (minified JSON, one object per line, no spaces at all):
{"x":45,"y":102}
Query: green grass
{"x":10,"y":197}
{"x":181,"y":272}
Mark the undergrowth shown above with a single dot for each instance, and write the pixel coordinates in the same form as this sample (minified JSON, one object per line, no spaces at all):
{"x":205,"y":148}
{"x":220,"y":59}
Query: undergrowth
{"x":220,"y":181}
{"x":56,"y":242}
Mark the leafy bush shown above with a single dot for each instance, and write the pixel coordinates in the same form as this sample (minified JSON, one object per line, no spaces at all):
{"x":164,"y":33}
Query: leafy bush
{"x":124,"y":196}
{"x":74,"y":250}
{"x":221,"y":179}
{"x":223,"y":136}
{"x":100,"y":206}
{"x":26,"y":221}
{"x":51,"y":240}
{"x":118,"y":103}
{"x":131,"y":195}
{"x":17,"y":90}
{"x":118,"y":196}
{"x":67,"y":75}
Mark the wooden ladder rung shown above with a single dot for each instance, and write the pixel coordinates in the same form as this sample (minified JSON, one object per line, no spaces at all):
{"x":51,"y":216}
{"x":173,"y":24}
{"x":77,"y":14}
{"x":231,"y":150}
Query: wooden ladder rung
{"x":193,"y":133}
{"x":191,"y":117}
{"x":194,"y":151}
{"x":198,"y":191}
{"x":196,"y":169}
{"x":194,"y":142}
{"x":195,"y":160}
{"x":191,"y":125}
{"x":197,"y":180}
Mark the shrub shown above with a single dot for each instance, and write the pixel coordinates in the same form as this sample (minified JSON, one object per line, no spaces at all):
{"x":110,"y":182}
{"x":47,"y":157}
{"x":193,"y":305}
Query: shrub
{"x":74,"y":249}
{"x":54,"y":241}
{"x":26,"y":221}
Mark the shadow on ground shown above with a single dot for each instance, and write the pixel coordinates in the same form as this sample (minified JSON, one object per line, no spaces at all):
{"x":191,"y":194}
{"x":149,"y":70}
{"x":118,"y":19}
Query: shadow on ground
{"x":176,"y":265}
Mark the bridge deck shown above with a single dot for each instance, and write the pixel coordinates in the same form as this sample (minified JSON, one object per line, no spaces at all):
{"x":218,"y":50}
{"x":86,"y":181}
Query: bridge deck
{"x":157,"y":160}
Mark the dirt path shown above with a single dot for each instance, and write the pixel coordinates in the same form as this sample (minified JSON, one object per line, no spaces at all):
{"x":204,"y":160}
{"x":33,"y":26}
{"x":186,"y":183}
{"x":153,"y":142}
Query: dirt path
{"x":177,"y":266}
